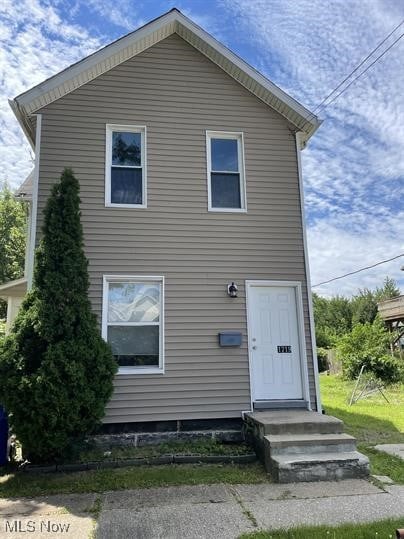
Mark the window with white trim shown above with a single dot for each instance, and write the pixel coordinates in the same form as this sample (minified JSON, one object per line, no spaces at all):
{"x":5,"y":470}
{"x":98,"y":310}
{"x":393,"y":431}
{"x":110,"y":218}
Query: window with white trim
{"x":226,"y":177}
{"x":133,"y":322}
{"x":125,"y":166}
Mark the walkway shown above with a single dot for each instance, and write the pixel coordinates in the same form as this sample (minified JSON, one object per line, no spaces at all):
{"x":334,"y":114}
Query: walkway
{"x":205,"y":512}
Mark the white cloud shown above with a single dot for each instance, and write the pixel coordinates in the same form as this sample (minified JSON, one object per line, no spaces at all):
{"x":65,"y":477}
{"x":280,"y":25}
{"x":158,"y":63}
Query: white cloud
{"x":207,"y":20}
{"x":335,"y":251}
{"x":36,"y":43}
{"x":120,"y":12}
{"x":354,"y":167}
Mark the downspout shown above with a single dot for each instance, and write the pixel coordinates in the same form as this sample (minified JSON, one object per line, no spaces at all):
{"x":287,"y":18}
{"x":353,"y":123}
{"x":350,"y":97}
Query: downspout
{"x":34,"y":206}
{"x":28,"y":236}
{"x":299,"y":146}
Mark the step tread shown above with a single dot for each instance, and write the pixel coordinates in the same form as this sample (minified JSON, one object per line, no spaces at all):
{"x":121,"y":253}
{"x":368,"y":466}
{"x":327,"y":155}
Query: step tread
{"x":319,"y":457}
{"x":284,"y":417}
{"x":318,"y":438}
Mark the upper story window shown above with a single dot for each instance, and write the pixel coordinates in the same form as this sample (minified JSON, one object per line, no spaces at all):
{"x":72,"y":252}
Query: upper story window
{"x":125,"y":166}
{"x":226,"y":177}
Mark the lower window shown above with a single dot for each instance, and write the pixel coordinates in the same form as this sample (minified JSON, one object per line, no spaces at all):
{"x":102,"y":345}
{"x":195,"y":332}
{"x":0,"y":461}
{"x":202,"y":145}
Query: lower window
{"x":133,"y":322}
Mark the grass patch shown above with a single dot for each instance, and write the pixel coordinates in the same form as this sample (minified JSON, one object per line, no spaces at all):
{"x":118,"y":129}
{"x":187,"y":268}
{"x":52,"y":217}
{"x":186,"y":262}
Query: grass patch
{"x":380,"y":529}
{"x":24,"y":484}
{"x":383,"y":464}
{"x":371,"y":420}
{"x":197,"y":447}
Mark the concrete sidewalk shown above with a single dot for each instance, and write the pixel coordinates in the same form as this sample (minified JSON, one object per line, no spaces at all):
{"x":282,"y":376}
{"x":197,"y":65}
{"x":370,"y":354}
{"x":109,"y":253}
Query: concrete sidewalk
{"x":205,"y":512}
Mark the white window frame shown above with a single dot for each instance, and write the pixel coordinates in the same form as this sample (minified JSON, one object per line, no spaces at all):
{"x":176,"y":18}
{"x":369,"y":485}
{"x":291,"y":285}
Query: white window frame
{"x":104,"y":327}
{"x":233,"y":135}
{"x":110,"y":128}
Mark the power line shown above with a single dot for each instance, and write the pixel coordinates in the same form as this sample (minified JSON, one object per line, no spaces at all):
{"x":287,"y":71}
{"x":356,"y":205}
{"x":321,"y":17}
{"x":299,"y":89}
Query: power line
{"x":359,"y":65}
{"x":363,"y":72}
{"x":323,"y":105}
{"x":359,"y":270}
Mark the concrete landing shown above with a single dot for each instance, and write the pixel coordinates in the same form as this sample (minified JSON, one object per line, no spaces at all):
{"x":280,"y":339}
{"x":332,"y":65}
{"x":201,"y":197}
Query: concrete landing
{"x":298,"y":421}
{"x":299,"y":445}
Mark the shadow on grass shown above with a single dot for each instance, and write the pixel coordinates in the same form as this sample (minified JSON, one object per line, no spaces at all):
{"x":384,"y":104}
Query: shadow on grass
{"x":98,"y":481}
{"x":27,"y":509}
{"x":367,"y":428}
{"x":370,"y":431}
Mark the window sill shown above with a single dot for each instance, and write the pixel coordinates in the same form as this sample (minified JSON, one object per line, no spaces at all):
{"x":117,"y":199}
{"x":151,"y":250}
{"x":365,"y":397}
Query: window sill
{"x":140,"y":370}
{"x":111,"y":205}
{"x":228,"y":210}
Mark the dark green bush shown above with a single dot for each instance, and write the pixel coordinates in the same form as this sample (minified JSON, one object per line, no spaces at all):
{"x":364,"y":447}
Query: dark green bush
{"x":385,"y":368}
{"x":322,"y":359}
{"x":368,"y":344}
{"x":56,"y":371}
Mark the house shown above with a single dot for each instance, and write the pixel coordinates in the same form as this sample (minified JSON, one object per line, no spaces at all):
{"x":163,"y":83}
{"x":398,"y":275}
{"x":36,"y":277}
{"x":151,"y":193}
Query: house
{"x":192,"y":208}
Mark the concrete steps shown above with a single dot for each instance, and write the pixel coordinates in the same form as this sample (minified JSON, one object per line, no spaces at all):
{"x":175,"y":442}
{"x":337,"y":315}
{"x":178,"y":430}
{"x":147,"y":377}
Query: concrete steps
{"x":319,"y":467}
{"x":296,"y":444}
{"x":299,"y":445}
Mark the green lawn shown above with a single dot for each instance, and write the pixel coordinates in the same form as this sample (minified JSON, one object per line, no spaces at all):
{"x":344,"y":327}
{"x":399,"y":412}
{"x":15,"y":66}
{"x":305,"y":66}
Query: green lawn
{"x":371,"y":420}
{"x":195,"y":447}
{"x":25,"y":484}
{"x":379,"y":530}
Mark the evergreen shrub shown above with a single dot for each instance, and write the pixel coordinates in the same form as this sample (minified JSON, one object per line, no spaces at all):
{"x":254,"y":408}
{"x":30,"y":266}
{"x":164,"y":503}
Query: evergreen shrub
{"x":56,"y":371}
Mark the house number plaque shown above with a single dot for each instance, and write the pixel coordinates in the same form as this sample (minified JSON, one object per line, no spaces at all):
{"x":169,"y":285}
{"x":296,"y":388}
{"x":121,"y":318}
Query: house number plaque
{"x":284,"y":349}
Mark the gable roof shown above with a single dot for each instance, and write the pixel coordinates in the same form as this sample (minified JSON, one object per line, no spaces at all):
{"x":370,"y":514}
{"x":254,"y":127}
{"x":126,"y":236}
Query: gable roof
{"x":61,"y":84}
{"x":24,"y":192}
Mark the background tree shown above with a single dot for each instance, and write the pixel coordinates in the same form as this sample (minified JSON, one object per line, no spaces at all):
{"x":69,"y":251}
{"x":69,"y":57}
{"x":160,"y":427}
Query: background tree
{"x":364,"y":304}
{"x":13,"y":223}
{"x":337,"y":315}
{"x":56,"y":371}
{"x":389,"y":290}
{"x":353,"y":327}
{"x":364,"y":307}
{"x":333,"y":318}
{"x":367,"y":344}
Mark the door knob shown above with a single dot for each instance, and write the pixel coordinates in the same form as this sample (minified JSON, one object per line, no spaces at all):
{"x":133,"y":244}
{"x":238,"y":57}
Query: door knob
{"x":254,"y":347}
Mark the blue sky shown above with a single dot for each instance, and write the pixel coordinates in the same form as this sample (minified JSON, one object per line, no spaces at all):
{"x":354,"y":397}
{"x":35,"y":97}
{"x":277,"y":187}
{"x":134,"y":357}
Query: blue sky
{"x":354,"y":166}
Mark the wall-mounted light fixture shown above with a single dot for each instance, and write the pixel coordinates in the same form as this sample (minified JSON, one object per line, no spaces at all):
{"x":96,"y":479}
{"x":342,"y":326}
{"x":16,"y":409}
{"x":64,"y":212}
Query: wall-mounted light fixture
{"x":232,"y":290}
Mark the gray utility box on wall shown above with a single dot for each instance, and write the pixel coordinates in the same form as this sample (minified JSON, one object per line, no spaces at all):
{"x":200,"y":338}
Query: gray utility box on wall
{"x":230,"y":338}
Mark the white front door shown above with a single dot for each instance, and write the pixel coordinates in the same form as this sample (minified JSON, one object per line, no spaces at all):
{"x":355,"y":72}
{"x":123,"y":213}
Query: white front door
{"x":276,"y":371}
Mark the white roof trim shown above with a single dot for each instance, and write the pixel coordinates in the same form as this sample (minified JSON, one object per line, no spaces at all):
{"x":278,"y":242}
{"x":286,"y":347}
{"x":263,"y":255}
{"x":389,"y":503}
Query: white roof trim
{"x":136,"y":42}
{"x":7,"y":289}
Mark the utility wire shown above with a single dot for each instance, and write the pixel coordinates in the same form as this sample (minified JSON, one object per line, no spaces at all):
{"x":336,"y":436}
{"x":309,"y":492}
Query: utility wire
{"x":359,"y":270}
{"x":323,"y":105}
{"x":359,"y":65}
{"x":362,"y":73}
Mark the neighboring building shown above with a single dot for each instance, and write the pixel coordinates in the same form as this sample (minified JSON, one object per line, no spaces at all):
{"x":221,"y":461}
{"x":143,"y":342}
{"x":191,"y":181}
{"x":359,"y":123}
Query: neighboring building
{"x":189,"y":166}
{"x":13,"y":292}
{"x":392,"y":313}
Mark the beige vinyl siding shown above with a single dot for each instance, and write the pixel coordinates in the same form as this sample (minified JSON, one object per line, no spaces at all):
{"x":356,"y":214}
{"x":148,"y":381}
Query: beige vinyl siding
{"x":178,"y":94}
